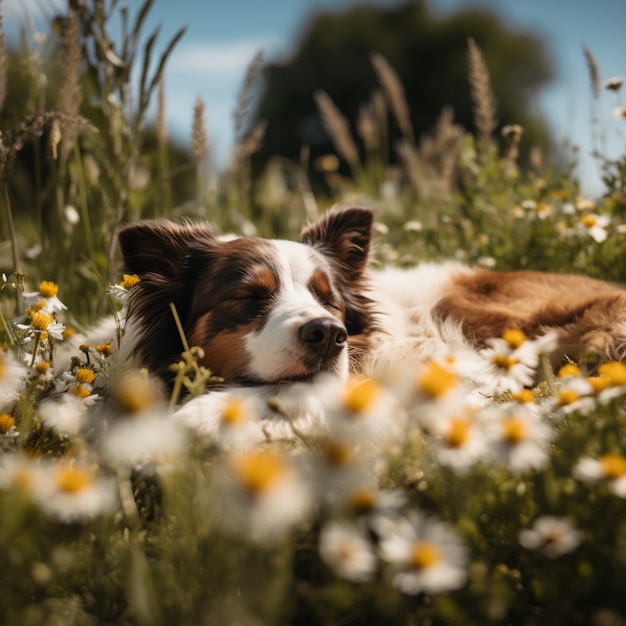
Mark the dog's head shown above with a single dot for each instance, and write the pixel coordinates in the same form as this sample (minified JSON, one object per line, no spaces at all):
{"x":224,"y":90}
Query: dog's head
{"x":263,"y":311}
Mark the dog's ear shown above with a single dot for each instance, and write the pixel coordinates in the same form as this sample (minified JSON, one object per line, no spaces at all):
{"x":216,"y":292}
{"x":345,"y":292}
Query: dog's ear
{"x":160,"y":248}
{"x":344,"y":235}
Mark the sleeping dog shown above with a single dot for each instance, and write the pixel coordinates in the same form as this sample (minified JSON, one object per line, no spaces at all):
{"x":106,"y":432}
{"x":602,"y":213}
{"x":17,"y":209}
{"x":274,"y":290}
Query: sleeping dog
{"x":274,"y":316}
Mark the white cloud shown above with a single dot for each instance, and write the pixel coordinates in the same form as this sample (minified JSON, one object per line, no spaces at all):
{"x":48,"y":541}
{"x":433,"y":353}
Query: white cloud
{"x":225,"y":58}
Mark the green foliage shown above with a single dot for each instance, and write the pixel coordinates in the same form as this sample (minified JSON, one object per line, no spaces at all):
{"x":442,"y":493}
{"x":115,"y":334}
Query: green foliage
{"x":170,"y":539}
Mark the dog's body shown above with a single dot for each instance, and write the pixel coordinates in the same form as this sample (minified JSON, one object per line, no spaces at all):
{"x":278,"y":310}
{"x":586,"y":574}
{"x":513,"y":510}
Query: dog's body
{"x":279,"y":316}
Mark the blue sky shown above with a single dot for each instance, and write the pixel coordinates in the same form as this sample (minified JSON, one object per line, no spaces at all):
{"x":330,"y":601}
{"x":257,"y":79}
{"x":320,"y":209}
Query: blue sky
{"x":223,"y":36}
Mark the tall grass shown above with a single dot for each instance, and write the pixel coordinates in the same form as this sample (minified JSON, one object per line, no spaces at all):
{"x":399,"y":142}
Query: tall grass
{"x":111,"y":512}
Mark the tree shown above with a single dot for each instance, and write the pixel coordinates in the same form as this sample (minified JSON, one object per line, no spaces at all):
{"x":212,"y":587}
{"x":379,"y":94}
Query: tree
{"x":428,"y":53}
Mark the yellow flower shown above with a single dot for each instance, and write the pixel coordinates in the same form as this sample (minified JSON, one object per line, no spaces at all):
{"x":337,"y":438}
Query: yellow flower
{"x":613,"y":466}
{"x":129,"y":280}
{"x":80,"y":391}
{"x":104,"y":349}
{"x":514,"y":337}
{"x":7,"y":422}
{"x":233,"y":413}
{"x":85,"y":375}
{"x":48,"y":289}
{"x":436,"y":380}
{"x":360,"y":395}
{"x":569,"y":369}
{"x":42,"y":368}
{"x":458,"y":433}
{"x":613,"y":373}
{"x":40,"y":320}
{"x":514,"y":431}
{"x":424,"y":554}
{"x":73,"y":479}
{"x":258,"y":471}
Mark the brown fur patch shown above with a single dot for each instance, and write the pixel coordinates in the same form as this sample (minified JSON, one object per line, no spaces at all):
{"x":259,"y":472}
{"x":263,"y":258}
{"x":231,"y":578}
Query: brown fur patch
{"x":586,"y":312}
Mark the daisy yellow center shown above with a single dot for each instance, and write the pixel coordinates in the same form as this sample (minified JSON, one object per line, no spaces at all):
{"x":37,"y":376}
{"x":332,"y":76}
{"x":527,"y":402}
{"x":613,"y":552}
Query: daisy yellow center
{"x":514,"y":337}
{"x":569,"y":369}
{"x":80,"y":392}
{"x":3,"y":365}
{"x":436,"y":380}
{"x":598,"y":383}
{"x":85,"y":375}
{"x":504,"y":362}
{"x":613,"y":466}
{"x":22,"y":479}
{"x":73,"y":479}
{"x":543,"y":207}
{"x":129,"y":280}
{"x":362,"y":500}
{"x":567,"y":397}
{"x":458,"y":433}
{"x":68,"y":333}
{"x":258,"y":471}
{"x":424,"y":555}
{"x":589,"y":221}
{"x":40,"y":320}
{"x":233,"y":414}
{"x":525,"y":396}
{"x":104,"y":349}
{"x":514,"y":431}
{"x":134,"y":393}
{"x":614,"y":373}
{"x":7,"y":422}
{"x":361,"y":395}
{"x":48,"y":289}
{"x":42,"y":367}
{"x":336,"y":453}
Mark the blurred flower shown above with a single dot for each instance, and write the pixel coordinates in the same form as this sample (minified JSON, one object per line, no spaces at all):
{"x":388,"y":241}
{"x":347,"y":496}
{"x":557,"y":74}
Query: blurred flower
{"x":426,"y":554}
{"x":74,"y":492}
{"x":609,"y":468}
{"x":45,"y":299}
{"x":7,"y":426}
{"x":595,"y":225}
{"x":620,"y":112}
{"x":66,"y":415}
{"x":459,"y":440}
{"x":344,"y":548}
{"x":12,"y":376}
{"x":553,"y":536}
{"x":262,"y":494}
{"x":610,"y":382}
{"x":119,"y":291}
{"x":614,"y":83}
{"x":518,"y":437}
{"x":146,"y":438}
{"x":20,"y":473}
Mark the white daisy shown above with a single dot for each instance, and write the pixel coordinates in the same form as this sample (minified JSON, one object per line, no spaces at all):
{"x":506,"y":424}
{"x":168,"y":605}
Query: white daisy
{"x":553,"y":536}
{"x":518,"y":437}
{"x":66,"y":415}
{"x":609,"y":468}
{"x":594,"y":225}
{"x":45,"y":299}
{"x":345,"y":549}
{"x":75,"y":492}
{"x":425,"y":554}
{"x":262,"y":494}
{"x":12,"y":376}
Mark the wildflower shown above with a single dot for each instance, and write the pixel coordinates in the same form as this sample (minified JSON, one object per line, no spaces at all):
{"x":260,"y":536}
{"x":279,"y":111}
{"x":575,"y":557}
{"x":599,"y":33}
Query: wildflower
{"x":146,"y":438}
{"x":7,"y":426}
{"x":512,"y":131}
{"x":105,"y":349}
{"x":119,"y":292}
{"x":512,"y":360}
{"x":574,"y":393}
{"x":45,"y":299}
{"x":610,"y":382}
{"x":585,"y":204}
{"x":459,"y":440}
{"x":518,"y":437}
{"x":66,"y":415}
{"x":413,"y":226}
{"x":426,"y":555}
{"x":359,"y":410}
{"x":262,"y":494}
{"x":554,"y":536}
{"x":595,"y":225}
{"x":74,"y":493}
{"x":344,"y":548}
{"x":614,"y":83}
{"x":610,"y":468}
{"x":44,"y":324}
{"x":20,"y":474}
{"x":620,"y":112}
{"x":12,"y":376}
{"x":369,"y":500}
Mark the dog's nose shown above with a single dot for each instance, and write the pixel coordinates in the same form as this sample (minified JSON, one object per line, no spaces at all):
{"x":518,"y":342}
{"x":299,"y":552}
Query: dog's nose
{"x":325,"y":336}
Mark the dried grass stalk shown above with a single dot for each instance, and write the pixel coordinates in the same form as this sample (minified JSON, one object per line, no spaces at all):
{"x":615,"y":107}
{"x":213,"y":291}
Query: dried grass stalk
{"x":338,"y":129}
{"x":199,"y":136}
{"x":71,"y":93}
{"x":161,"y":124}
{"x":485,"y":109}
{"x":247,"y":93}
{"x":394,"y":91}
{"x":594,"y":72}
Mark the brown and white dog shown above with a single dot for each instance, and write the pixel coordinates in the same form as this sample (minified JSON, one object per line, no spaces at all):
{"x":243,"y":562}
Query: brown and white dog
{"x":274,"y":314}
